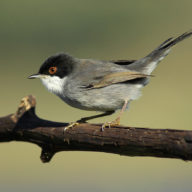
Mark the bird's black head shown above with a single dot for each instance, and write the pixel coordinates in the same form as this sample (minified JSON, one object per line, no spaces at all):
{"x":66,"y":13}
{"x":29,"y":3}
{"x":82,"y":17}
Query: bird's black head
{"x":59,"y":65}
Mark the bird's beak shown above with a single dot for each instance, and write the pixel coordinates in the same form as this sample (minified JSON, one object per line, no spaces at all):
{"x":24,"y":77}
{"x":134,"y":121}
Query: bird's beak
{"x":35,"y":76}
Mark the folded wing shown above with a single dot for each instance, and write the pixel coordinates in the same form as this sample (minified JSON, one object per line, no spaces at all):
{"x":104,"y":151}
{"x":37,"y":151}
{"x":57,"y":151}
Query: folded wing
{"x":118,"y":77}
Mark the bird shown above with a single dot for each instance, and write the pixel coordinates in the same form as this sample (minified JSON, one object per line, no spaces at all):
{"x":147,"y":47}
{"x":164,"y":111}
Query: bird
{"x":98,"y":85}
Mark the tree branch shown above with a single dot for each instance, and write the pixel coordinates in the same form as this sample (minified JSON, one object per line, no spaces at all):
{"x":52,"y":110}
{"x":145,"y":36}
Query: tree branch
{"x":24,"y":125}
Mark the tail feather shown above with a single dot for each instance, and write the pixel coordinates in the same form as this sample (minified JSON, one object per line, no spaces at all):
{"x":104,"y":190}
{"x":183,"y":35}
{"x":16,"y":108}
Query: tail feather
{"x":147,"y":64}
{"x":176,"y":40}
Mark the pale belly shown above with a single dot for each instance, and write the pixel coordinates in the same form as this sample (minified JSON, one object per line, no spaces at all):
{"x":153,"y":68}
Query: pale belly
{"x":103,"y":99}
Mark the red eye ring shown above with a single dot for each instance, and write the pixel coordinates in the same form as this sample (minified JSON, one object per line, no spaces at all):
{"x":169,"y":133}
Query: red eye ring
{"x":52,"y":70}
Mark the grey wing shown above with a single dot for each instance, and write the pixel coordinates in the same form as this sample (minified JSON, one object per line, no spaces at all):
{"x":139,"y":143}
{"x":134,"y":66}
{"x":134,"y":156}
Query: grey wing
{"x":117,"y":77}
{"x":98,"y":74}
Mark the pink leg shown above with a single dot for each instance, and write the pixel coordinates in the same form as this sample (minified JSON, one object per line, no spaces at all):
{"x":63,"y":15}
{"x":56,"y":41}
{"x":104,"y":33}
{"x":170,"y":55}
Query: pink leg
{"x":122,"y":110}
{"x":117,"y":120}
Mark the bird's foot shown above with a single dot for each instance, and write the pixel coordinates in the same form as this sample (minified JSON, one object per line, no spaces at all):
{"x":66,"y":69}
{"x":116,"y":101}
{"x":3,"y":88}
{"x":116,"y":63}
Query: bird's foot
{"x":71,"y":125}
{"x":111,"y":124}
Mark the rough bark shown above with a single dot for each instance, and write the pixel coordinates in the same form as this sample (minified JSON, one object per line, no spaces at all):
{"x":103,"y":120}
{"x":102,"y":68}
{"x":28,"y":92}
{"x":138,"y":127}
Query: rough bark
{"x":24,"y":125}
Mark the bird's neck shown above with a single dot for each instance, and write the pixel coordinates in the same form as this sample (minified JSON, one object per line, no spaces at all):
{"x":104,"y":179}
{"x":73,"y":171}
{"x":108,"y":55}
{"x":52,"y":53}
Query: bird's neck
{"x":54,"y":84}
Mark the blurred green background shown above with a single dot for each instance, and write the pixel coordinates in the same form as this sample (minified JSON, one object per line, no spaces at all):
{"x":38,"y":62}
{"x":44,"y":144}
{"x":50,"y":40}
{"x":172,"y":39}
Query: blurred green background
{"x":30,"y":31}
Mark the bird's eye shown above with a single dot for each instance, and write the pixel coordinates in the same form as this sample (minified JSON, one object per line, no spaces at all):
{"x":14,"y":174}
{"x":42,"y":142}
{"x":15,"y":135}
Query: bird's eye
{"x":52,"y":70}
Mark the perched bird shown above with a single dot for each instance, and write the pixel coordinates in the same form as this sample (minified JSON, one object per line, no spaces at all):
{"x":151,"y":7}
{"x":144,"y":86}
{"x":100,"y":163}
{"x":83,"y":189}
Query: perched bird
{"x":97,"y":85}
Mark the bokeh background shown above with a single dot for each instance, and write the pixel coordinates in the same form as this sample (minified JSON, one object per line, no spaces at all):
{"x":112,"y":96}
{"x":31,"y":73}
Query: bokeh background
{"x":30,"y":31}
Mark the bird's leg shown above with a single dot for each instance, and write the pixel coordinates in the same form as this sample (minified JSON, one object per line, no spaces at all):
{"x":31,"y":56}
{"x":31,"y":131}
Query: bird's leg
{"x":117,"y":120}
{"x":85,"y":119}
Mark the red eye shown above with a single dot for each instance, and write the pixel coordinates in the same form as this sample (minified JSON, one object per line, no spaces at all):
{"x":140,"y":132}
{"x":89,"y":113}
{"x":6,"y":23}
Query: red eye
{"x":52,"y":70}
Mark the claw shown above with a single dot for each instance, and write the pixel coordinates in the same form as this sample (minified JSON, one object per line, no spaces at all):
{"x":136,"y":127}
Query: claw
{"x":111,"y":124}
{"x":71,"y":125}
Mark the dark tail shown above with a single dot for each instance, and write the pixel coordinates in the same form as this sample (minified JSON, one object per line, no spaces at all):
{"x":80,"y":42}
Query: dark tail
{"x":147,"y":64}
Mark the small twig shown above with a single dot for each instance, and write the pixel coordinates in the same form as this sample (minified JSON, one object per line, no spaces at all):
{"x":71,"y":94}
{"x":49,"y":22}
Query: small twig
{"x":24,"y":125}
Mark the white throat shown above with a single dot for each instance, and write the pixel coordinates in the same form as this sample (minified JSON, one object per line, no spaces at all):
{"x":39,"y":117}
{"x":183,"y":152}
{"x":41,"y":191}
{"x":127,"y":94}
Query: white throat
{"x":54,"y":84}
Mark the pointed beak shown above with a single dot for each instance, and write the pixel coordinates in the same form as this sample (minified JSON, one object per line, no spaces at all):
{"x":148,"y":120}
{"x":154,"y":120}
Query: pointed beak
{"x":35,"y":76}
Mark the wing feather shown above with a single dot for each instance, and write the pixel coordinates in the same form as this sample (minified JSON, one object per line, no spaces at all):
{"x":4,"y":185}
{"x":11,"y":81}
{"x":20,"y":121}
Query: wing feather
{"x":117,"y":77}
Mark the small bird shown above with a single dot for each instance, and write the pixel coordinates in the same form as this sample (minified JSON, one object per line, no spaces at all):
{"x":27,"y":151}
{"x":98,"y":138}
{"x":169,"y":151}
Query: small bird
{"x":97,"y":85}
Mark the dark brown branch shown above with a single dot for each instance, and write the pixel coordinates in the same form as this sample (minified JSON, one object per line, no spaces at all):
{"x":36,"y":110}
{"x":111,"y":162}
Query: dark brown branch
{"x":24,"y":125}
